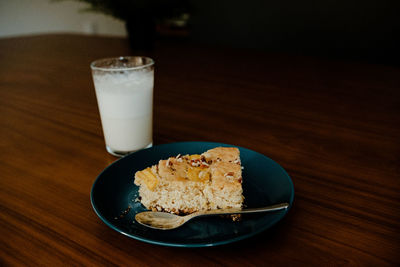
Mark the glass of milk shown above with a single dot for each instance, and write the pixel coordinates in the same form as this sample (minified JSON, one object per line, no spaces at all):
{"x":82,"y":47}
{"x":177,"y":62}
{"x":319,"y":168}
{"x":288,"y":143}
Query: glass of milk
{"x":124,"y":91}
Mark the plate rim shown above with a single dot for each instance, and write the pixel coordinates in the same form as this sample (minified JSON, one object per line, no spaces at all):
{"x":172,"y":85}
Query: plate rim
{"x":205,"y":244}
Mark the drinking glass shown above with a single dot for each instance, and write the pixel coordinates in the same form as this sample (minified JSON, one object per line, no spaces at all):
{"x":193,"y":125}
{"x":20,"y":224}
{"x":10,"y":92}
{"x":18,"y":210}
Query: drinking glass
{"x":124,"y":91}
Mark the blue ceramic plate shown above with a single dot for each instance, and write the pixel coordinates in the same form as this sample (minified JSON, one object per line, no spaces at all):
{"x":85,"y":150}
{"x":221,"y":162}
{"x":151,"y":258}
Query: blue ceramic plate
{"x":113,"y":198}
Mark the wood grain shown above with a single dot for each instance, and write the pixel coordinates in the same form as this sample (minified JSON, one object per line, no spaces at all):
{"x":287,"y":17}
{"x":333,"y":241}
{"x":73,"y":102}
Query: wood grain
{"x":333,"y":125}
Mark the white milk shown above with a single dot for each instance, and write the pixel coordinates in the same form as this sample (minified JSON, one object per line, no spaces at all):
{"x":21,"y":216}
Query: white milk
{"x":125,"y":102}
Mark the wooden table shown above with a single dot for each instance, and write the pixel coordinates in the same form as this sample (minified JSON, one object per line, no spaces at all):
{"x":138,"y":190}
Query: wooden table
{"x":334,"y":126}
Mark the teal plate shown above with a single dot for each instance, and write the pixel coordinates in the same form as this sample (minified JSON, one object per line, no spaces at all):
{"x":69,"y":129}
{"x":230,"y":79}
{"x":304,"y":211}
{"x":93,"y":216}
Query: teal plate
{"x":265,"y":182}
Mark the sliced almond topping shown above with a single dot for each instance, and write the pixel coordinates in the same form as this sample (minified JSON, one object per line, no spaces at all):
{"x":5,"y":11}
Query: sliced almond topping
{"x":195,"y":162}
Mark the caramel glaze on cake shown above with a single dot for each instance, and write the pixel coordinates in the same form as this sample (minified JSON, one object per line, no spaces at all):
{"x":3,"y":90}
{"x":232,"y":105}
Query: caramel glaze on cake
{"x":190,"y":183}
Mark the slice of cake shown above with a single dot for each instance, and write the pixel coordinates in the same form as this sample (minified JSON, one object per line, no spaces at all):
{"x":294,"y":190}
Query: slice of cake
{"x":190,"y":183}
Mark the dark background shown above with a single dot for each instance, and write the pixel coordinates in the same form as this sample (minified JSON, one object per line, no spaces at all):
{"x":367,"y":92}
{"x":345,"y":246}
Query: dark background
{"x":357,"y":30}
